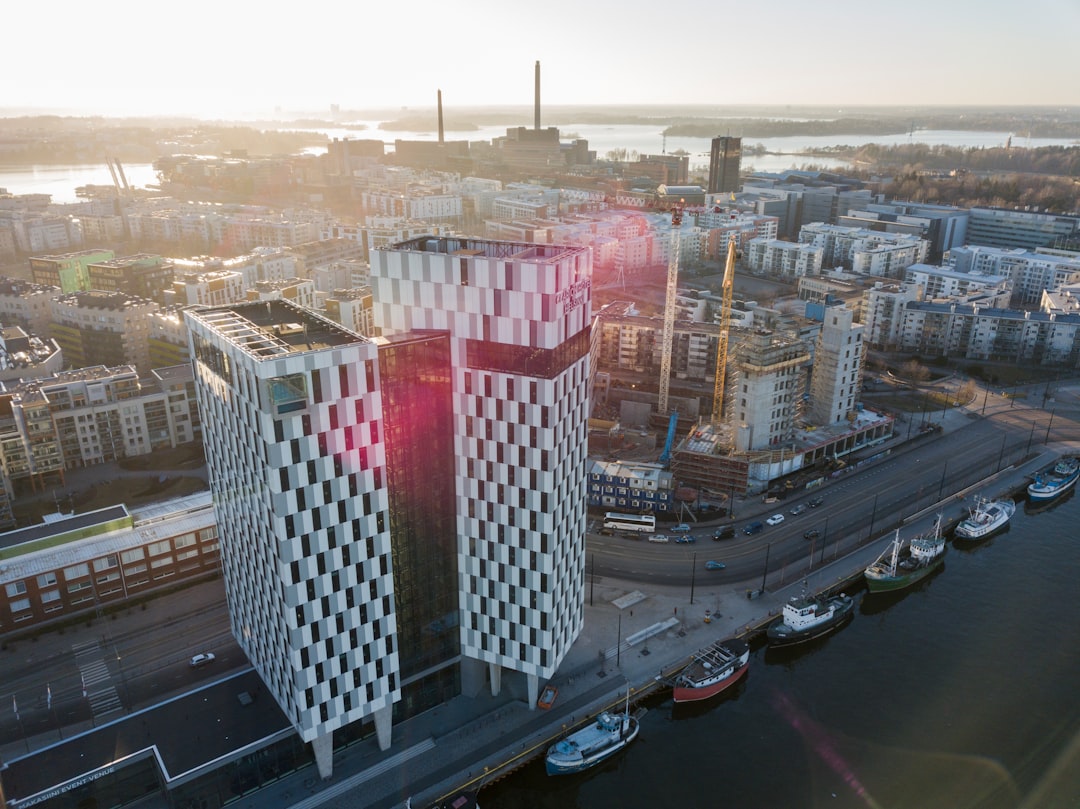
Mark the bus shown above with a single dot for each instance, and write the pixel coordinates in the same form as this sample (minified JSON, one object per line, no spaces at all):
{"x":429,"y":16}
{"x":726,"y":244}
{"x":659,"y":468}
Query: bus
{"x":630,"y":522}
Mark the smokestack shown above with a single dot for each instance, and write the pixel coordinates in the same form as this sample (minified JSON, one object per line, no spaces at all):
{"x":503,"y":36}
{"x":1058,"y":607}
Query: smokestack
{"x":536,"y":103}
{"x":440,"y":119}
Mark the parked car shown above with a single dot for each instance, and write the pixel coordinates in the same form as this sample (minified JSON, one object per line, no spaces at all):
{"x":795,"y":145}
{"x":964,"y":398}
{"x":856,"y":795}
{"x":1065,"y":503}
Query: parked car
{"x":753,"y":528}
{"x":775,"y":519}
{"x":681,"y":528}
{"x":724,"y":532}
{"x":658,"y":538}
{"x":815,"y":502}
{"x":799,"y":509}
{"x":686,"y":539}
{"x":813,"y":533}
{"x":712,"y":565}
{"x":200,"y":660}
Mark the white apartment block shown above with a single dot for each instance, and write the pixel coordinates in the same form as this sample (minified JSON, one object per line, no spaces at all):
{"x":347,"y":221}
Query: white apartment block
{"x":211,"y":288}
{"x":782,"y":259}
{"x":1031,"y":272}
{"x":352,"y":309}
{"x":518,"y":317}
{"x":41,"y":232}
{"x":975,"y":332}
{"x":865,"y":252}
{"x":837,"y":373}
{"x":299,"y":291}
{"x":26,"y":304}
{"x":945,"y":282}
{"x":883,"y":313}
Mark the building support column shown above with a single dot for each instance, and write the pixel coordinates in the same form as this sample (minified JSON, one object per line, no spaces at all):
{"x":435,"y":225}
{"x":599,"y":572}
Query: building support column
{"x":323,"y":748}
{"x":472,"y":676}
{"x":534,"y":690}
{"x":495,"y":673}
{"x":383,"y":726}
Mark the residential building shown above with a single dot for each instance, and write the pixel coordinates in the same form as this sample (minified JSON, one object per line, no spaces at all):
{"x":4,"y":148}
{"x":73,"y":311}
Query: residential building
{"x":836,"y":379}
{"x":1030,"y":271}
{"x":767,"y":394}
{"x":27,"y":304}
{"x":945,"y":282}
{"x":27,"y":356}
{"x":786,"y":260}
{"x":297,"y":290}
{"x":141,"y":275}
{"x":103,"y":328}
{"x":69,"y":272}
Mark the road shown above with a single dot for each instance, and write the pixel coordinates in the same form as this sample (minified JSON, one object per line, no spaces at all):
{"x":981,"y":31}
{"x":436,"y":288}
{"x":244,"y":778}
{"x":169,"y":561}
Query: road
{"x":914,"y":476}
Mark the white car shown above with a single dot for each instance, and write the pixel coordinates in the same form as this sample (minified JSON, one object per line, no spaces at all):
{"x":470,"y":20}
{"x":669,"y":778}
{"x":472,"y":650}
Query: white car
{"x":658,"y":538}
{"x":775,"y":519}
{"x":200,"y":660}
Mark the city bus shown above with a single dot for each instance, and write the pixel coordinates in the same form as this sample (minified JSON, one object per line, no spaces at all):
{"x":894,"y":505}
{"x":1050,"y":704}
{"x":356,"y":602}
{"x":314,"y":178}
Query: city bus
{"x":630,"y":522}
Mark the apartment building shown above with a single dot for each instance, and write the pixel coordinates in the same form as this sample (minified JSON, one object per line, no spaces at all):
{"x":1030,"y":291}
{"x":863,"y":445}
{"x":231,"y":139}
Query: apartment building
{"x":1030,"y":271}
{"x":836,"y":379}
{"x":103,"y":328}
{"x":69,"y":272}
{"x":786,"y":260}
{"x":767,"y":394}
{"x":27,"y":304}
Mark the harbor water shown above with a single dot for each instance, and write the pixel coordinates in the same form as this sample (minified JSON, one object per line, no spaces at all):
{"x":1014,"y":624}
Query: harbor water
{"x":960,"y":692}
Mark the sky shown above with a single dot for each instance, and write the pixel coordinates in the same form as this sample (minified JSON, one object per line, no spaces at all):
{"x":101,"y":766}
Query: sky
{"x":228,"y":59}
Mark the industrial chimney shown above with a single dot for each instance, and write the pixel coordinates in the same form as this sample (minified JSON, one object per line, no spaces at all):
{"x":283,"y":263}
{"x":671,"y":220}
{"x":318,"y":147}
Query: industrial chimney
{"x":536,"y":103}
{"x":440,"y":119}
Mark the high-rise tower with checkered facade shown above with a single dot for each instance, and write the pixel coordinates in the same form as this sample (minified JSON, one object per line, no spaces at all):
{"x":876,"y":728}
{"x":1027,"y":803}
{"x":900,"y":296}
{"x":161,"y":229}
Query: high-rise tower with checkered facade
{"x":293,"y":435}
{"x":518,"y":320}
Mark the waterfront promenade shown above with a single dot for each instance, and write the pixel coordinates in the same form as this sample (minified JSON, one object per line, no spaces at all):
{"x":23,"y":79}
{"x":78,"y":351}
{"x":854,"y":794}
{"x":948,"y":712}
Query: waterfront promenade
{"x":632,"y":634}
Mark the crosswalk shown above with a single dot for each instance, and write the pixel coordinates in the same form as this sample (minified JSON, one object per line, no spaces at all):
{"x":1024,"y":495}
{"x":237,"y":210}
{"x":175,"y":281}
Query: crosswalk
{"x":96,"y":679}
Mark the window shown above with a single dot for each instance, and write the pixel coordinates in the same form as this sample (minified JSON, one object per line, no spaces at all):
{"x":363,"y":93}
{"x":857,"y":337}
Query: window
{"x":105,"y":562}
{"x":49,"y":596}
{"x":157,"y":548}
{"x":46,"y":580}
{"x":17,"y":588}
{"x":134,"y":555}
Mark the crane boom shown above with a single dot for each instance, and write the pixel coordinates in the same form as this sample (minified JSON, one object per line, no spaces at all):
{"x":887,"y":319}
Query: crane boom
{"x":669,"y":310}
{"x":725,"y":327}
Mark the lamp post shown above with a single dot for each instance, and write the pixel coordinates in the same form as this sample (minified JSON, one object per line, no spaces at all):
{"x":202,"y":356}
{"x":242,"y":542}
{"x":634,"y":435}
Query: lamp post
{"x":873,"y":514}
{"x":765,"y":573}
{"x":985,"y":396}
{"x":1002,"y":453}
{"x":824,"y":538}
{"x":1031,"y":435}
{"x":618,"y":644}
{"x":941,"y":486}
{"x":1047,"y":439}
{"x":693,"y":571}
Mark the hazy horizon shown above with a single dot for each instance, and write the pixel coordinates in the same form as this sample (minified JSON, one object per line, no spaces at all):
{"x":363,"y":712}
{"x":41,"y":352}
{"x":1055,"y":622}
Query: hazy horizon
{"x":222,"y":61}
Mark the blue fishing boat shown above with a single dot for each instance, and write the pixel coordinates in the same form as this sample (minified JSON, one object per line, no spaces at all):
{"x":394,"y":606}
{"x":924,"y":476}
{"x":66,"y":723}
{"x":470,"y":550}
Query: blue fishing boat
{"x":598,"y":741}
{"x":1055,"y":481}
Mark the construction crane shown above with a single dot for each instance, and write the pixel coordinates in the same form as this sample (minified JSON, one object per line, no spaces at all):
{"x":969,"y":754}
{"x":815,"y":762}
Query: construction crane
{"x":669,"y":310}
{"x":725,"y":327}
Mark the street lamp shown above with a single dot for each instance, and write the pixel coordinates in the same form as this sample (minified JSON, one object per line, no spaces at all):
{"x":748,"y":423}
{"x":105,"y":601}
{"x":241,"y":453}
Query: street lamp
{"x":1047,"y":439}
{"x":693,"y":571}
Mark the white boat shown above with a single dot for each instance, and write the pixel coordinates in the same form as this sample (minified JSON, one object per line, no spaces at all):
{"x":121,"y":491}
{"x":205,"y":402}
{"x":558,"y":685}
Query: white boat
{"x":598,"y":741}
{"x":808,"y":617}
{"x":986,"y":517}
{"x":1054,"y":481}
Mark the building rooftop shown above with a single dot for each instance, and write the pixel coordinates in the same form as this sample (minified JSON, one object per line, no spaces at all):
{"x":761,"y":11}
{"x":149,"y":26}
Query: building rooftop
{"x":266,"y":329}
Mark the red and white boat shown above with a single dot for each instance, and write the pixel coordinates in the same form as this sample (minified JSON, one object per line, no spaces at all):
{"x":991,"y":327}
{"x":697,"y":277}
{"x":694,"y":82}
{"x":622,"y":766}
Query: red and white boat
{"x":713,"y":669}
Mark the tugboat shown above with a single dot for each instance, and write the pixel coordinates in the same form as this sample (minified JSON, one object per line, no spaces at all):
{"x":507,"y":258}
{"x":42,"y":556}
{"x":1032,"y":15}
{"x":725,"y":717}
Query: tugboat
{"x":808,"y":617}
{"x":713,"y":669}
{"x":903,"y":565}
{"x":598,"y":741}
{"x":1055,"y":481}
{"x":986,"y":517}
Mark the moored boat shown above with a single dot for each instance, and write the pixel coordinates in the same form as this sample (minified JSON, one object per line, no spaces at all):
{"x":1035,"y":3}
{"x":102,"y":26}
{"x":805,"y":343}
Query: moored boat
{"x":986,"y":517}
{"x":713,"y":669}
{"x":603,"y":737}
{"x":904,"y":564}
{"x":808,"y":617}
{"x":1054,"y":481}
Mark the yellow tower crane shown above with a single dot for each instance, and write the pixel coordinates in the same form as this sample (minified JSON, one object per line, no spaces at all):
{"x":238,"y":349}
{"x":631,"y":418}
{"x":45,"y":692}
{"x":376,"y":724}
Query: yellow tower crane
{"x":669,"y":310}
{"x":725,"y":327}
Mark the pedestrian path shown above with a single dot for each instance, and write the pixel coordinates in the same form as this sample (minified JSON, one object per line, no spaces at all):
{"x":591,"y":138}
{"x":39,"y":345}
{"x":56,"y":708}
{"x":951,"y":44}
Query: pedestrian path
{"x":96,"y":679}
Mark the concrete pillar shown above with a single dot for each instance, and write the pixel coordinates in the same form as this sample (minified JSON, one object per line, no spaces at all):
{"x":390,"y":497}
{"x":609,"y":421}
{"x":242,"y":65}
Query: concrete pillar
{"x":495,"y":672}
{"x":383,"y":727}
{"x":534,"y":690}
{"x":472,"y":676}
{"x":323,"y":748}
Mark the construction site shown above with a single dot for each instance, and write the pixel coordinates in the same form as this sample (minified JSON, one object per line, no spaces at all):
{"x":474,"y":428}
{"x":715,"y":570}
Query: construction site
{"x":734,"y":412}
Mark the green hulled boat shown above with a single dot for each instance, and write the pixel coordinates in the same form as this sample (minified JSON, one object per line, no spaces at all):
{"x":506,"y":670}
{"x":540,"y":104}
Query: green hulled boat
{"x":903,"y":564}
